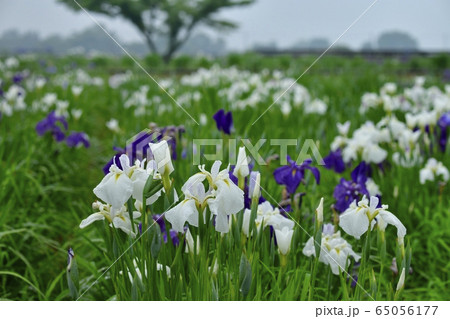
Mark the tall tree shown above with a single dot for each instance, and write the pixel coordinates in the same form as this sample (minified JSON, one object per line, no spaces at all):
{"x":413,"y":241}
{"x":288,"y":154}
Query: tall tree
{"x":173,"y":20}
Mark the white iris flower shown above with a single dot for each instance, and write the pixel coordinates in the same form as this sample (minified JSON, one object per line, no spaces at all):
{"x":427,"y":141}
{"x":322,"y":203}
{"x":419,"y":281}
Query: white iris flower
{"x":432,"y":170}
{"x":120,"y":218}
{"x":223,"y":198}
{"x":356,"y":219}
{"x":335,"y":251}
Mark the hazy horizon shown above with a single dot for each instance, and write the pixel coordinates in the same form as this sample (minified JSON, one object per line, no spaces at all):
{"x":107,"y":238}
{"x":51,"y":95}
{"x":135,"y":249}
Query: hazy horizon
{"x":285,"y":22}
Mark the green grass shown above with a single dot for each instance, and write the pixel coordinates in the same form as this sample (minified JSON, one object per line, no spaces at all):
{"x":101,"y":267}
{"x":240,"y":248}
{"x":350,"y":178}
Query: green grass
{"x":46,"y":190}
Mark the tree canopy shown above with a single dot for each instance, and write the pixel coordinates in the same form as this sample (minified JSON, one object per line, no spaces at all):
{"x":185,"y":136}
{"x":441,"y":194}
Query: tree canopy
{"x":174,"y":20}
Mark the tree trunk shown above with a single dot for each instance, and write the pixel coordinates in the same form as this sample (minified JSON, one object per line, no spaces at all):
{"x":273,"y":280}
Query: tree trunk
{"x":151,"y":45}
{"x":167,"y":57}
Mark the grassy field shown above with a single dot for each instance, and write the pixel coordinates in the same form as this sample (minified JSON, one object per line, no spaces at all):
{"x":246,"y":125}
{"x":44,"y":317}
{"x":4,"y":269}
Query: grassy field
{"x":46,"y":186}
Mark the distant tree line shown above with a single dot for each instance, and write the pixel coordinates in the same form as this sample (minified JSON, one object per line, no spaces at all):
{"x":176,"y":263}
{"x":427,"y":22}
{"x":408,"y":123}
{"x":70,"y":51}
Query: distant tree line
{"x":387,"y":41}
{"x":93,"y":40}
{"x":393,"y":41}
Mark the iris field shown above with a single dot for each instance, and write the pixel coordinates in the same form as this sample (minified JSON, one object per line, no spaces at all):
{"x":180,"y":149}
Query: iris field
{"x":299,"y":216}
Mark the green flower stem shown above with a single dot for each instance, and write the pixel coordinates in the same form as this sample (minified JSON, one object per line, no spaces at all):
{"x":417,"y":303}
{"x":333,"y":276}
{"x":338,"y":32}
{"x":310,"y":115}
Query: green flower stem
{"x":364,"y":262}
{"x":313,"y":278}
{"x":329,"y":280}
{"x":241,"y":182}
{"x":345,"y":295}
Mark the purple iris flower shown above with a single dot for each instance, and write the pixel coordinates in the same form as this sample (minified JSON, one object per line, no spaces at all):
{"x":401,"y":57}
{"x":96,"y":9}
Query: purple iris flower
{"x":335,"y":161}
{"x":134,"y":150}
{"x":50,"y":124}
{"x":139,"y":149}
{"x":348,"y":191}
{"x":293,"y":174}
{"x":160,"y":220}
{"x":444,"y":123}
{"x":173,"y":237}
{"x":17,"y":78}
{"x":77,"y":138}
{"x":224,"y":121}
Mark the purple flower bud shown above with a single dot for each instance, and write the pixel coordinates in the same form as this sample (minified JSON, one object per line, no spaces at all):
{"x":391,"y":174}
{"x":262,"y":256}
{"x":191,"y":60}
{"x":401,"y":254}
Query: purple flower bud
{"x":253,"y":183}
{"x":224,"y":121}
{"x":354,"y":281}
{"x":328,"y":229}
{"x":70,"y":256}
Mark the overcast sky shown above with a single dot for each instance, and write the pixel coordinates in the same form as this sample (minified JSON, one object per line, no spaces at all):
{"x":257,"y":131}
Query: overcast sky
{"x":283,"y":21}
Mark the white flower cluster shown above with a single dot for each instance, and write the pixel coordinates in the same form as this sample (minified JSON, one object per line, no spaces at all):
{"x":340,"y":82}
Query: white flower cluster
{"x":334,"y":250}
{"x":76,"y":78}
{"x":140,"y":102}
{"x":433,"y":170}
{"x":121,"y":184}
{"x":222,"y":197}
{"x":13,"y":100}
{"x":116,"y":80}
{"x":358,"y":219}
{"x":50,"y":101}
{"x":413,"y":100}
{"x":421,"y":107}
{"x":9,"y":64}
{"x":364,"y":143}
{"x":243,"y":89}
{"x":268,"y":216}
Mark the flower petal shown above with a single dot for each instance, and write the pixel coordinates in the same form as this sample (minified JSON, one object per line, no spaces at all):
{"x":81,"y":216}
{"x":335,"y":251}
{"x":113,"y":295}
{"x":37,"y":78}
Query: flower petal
{"x":123,"y":224}
{"x":114,"y":189}
{"x":184,"y":211}
{"x":90,"y":219}
{"x":354,"y":222}
{"x":390,"y":218}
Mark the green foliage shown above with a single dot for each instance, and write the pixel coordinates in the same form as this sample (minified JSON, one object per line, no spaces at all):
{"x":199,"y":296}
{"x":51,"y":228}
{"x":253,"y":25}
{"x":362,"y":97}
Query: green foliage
{"x":46,"y":190}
